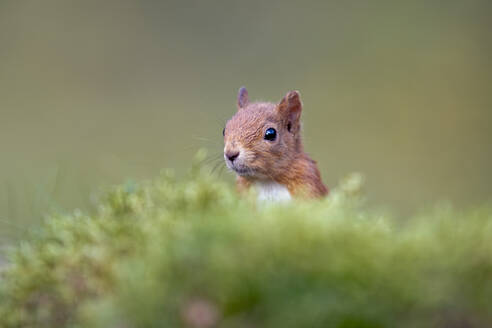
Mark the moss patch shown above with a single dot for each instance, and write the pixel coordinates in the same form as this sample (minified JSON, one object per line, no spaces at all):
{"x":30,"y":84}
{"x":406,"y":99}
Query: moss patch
{"x":189,"y":253}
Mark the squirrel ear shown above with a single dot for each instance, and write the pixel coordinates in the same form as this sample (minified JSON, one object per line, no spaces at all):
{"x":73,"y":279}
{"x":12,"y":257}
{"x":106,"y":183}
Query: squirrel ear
{"x":290,"y":107}
{"x":242,"y":98}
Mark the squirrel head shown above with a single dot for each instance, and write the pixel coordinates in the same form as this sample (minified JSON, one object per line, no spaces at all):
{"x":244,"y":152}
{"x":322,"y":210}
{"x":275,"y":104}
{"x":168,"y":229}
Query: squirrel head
{"x":263,"y":139}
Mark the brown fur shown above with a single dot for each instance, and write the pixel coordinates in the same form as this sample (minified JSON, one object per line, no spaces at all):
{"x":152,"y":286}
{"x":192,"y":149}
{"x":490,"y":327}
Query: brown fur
{"x":282,"y":160}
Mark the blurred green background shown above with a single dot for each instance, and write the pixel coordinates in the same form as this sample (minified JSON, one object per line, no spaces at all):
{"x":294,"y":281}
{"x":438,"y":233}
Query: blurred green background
{"x":96,"y":92}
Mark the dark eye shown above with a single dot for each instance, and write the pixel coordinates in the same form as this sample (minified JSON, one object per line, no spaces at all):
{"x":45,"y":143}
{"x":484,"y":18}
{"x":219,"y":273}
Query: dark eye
{"x":270,"y":134}
{"x":223,"y":132}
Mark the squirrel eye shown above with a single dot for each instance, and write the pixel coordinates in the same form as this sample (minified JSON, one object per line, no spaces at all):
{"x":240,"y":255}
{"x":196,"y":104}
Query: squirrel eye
{"x":223,"y":132}
{"x":270,"y":134}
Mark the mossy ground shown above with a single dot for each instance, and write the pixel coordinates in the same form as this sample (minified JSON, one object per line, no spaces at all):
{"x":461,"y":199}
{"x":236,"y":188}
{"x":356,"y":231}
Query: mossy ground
{"x":190,"y":253}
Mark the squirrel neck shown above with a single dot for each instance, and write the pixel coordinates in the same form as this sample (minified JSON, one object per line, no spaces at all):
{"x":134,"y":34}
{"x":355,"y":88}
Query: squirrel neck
{"x":301,"y":178}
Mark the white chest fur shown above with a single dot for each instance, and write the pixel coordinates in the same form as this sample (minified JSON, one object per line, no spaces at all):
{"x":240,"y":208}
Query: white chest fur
{"x":272,"y":192}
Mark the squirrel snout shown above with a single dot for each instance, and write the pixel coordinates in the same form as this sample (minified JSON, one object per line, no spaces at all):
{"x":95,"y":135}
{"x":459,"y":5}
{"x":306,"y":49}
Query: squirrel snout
{"x":232,"y":155}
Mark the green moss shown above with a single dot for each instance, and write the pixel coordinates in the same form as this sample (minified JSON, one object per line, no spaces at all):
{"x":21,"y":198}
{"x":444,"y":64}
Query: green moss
{"x":189,"y":253}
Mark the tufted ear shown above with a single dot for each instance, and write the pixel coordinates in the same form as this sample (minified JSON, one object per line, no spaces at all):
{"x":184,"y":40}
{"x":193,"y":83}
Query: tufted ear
{"x":242,"y":98}
{"x":290,"y":108}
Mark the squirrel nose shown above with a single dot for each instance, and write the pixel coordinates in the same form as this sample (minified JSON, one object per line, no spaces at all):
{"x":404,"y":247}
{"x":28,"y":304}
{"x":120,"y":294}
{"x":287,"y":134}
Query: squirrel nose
{"x":232,"y":155}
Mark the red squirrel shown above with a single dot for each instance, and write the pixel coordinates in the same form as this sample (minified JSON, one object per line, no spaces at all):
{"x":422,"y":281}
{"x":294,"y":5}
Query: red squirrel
{"x":263,"y":147}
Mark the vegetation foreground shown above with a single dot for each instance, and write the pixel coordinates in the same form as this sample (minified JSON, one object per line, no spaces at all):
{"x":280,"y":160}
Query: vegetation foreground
{"x":169,"y":253}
